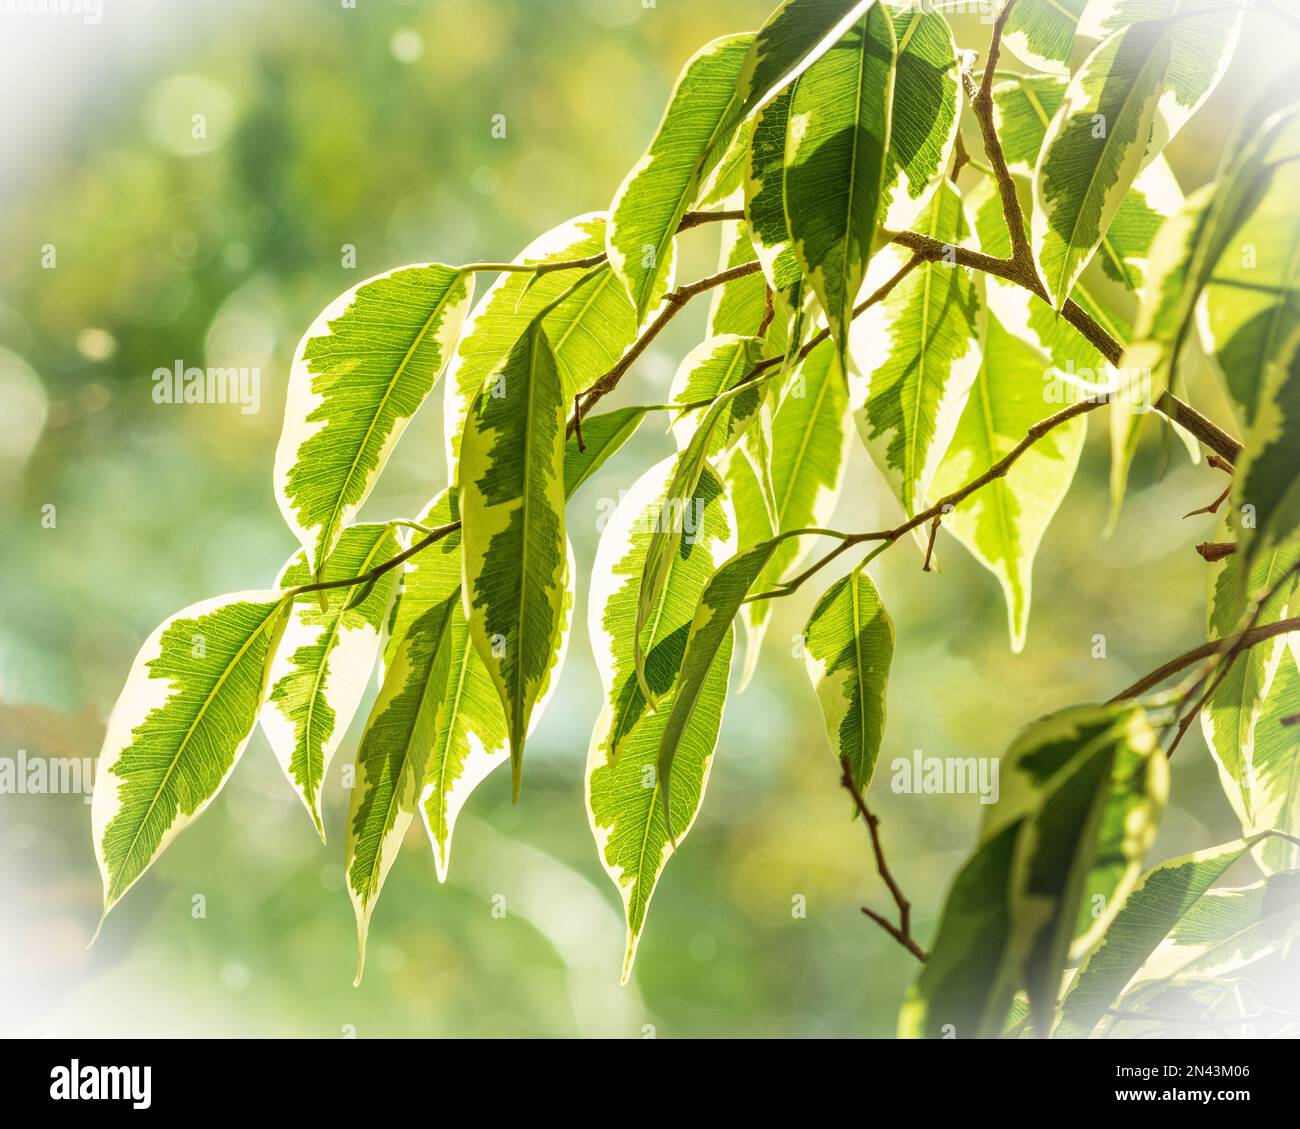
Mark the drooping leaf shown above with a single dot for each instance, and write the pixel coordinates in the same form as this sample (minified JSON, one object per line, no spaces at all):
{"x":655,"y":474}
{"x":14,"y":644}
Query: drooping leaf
{"x":848,"y":648}
{"x":651,"y":202}
{"x":588,"y":331}
{"x":923,"y":122}
{"x":1267,"y":479}
{"x":179,"y":727}
{"x":1128,"y":100}
{"x":1230,"y":717}
{"x":625,"y":801}
{"x":469,"y":738}
{"x":1081,"y":792}
{"x":512,"y":502}
{"x":602,"y":436}
{"x":323,"y":665}
{"x":1276,"y":765}
{"x":811,"y":434}
{"x":1156,"y":904}
{"x":739,"y":306}
{"x":711,"y":368}
{"x":1002,"y":523}
{"x":360,"y":373}
{"x":917,"y":355}
{"x":393,"y":757}
{"x":1229,"y":929}
{"x":1251,"y":303}
{"x":1023,"y":108}
{"x":835,"y":163}
{"x":1042,"y":34}
{"x":765,"y":197}
{"x":710,"y":632}
{"x":753,"y":524}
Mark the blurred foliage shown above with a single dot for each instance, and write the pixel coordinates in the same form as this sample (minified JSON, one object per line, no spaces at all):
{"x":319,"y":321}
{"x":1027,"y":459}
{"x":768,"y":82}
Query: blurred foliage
{"x":372,"y":127}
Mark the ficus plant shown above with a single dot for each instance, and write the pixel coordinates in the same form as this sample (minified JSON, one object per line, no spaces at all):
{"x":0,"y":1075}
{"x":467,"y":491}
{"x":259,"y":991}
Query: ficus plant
{"x":953,"y":263}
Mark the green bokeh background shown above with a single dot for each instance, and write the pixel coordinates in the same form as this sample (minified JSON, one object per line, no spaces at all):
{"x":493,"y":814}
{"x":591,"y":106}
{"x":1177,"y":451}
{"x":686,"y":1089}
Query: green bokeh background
{"x":372,"y":127}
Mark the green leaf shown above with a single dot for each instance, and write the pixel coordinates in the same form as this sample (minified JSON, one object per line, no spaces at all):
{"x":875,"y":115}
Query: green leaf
{"x":753,"y":524}
{"x":1081,"y":792}
{"x":835,"y":163}
{"x":918,"y":354}
{"x":670,"y":529}
{"x":1128,"y":100}
{"x":1002,"y":523}
{"x":625,"y":801}
{"x":714,"y":366}
{"x":179,"y":727}
{"x":923,"y":122}
{"x":740,"y":306}
{"x":469,"y":738}
{"x":811,"y":434}
{"x":663,"y":185}
{"x":1267,"y":478}
{"x":602,"y":436}
{"x":848,"y":648}
{"x":512,"y":502}
{"x":1157,"y":903}
{"x":360,"y":373}
{"x":792,"y":39}
{"x":1276,"y":765}
{"x":1230,"y":717}
{"x":1023,"y":108}
{"x":1042,"y":34}
{"x":1251,"y":302}
{"x":588,"y":331}
{"x":393,"y":757}
{"x":765,"y":197}
{"x":323,"y":665}
{"x":1229,"y":929}
{"x":710,"y":631}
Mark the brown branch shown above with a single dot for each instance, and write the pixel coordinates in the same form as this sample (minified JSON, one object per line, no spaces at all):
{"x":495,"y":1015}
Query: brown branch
{"x":433,"y":536}
{"x":1251,"y":637}
{"x":929,"y":548}
{"x":902,"y":932}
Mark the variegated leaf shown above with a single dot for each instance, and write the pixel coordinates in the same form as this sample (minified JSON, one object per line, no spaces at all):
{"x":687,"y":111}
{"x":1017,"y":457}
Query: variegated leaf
{"x":602,"y":436}
{"x":625,"y":802}
{"x":663,"y":185}
{"x":512,"y":503}
{"x":917,"y":354}
{"x":714,"y":366}
{"x":765,"y":197}
{"x":1275,"y":765}
{"x":836,"y":162}
{"x":848,"y":649}
{"x":179,"y":727}
{"x":1041,"y":33}
{"x":588,"y":331}
{"x":360,"y":373}
{"x":1002,"y":523}
{"x":393,"y":757}
{"x":1128,"y":100}
{"x":324,"y":663}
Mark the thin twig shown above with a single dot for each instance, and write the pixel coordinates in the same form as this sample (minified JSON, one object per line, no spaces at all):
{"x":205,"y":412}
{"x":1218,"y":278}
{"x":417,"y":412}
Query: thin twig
{"x":902,"y":932}
{"x":929,"y":548}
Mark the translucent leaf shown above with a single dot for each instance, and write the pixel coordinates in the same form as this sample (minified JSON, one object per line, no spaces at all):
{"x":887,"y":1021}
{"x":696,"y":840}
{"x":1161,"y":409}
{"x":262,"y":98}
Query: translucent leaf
{"x":1157,"y":903}
{"x":179,"y":727}
{"x":624,"y":798}
{"x":393,"y":758}
{"x":324,"y":663}
{"x":360,"y":373}
{"x":1042,"y":34}
{"x":835,"y":162}
{"x":1128,"y":100}
{"x":588,"y":331}
{"x":765,"y":197}
{"x":917,"y":355}
{"x":650,"y":204}
{"x":711,"y":368}
{"x":512,"y":502}
{"x":1002,"y":523}
{"x":848,"y":648}
{"x":602,"y":436}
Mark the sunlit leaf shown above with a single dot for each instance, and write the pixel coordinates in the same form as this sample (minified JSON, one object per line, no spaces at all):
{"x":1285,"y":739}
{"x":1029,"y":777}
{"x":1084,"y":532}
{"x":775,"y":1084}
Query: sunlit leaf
{"x":1042,"y":33}
{"x":360,"y":373}
{"x":512,"y":503}
{"x":179,"y":727}
{"x":848,"y":648}
{"x":323,"y":665}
